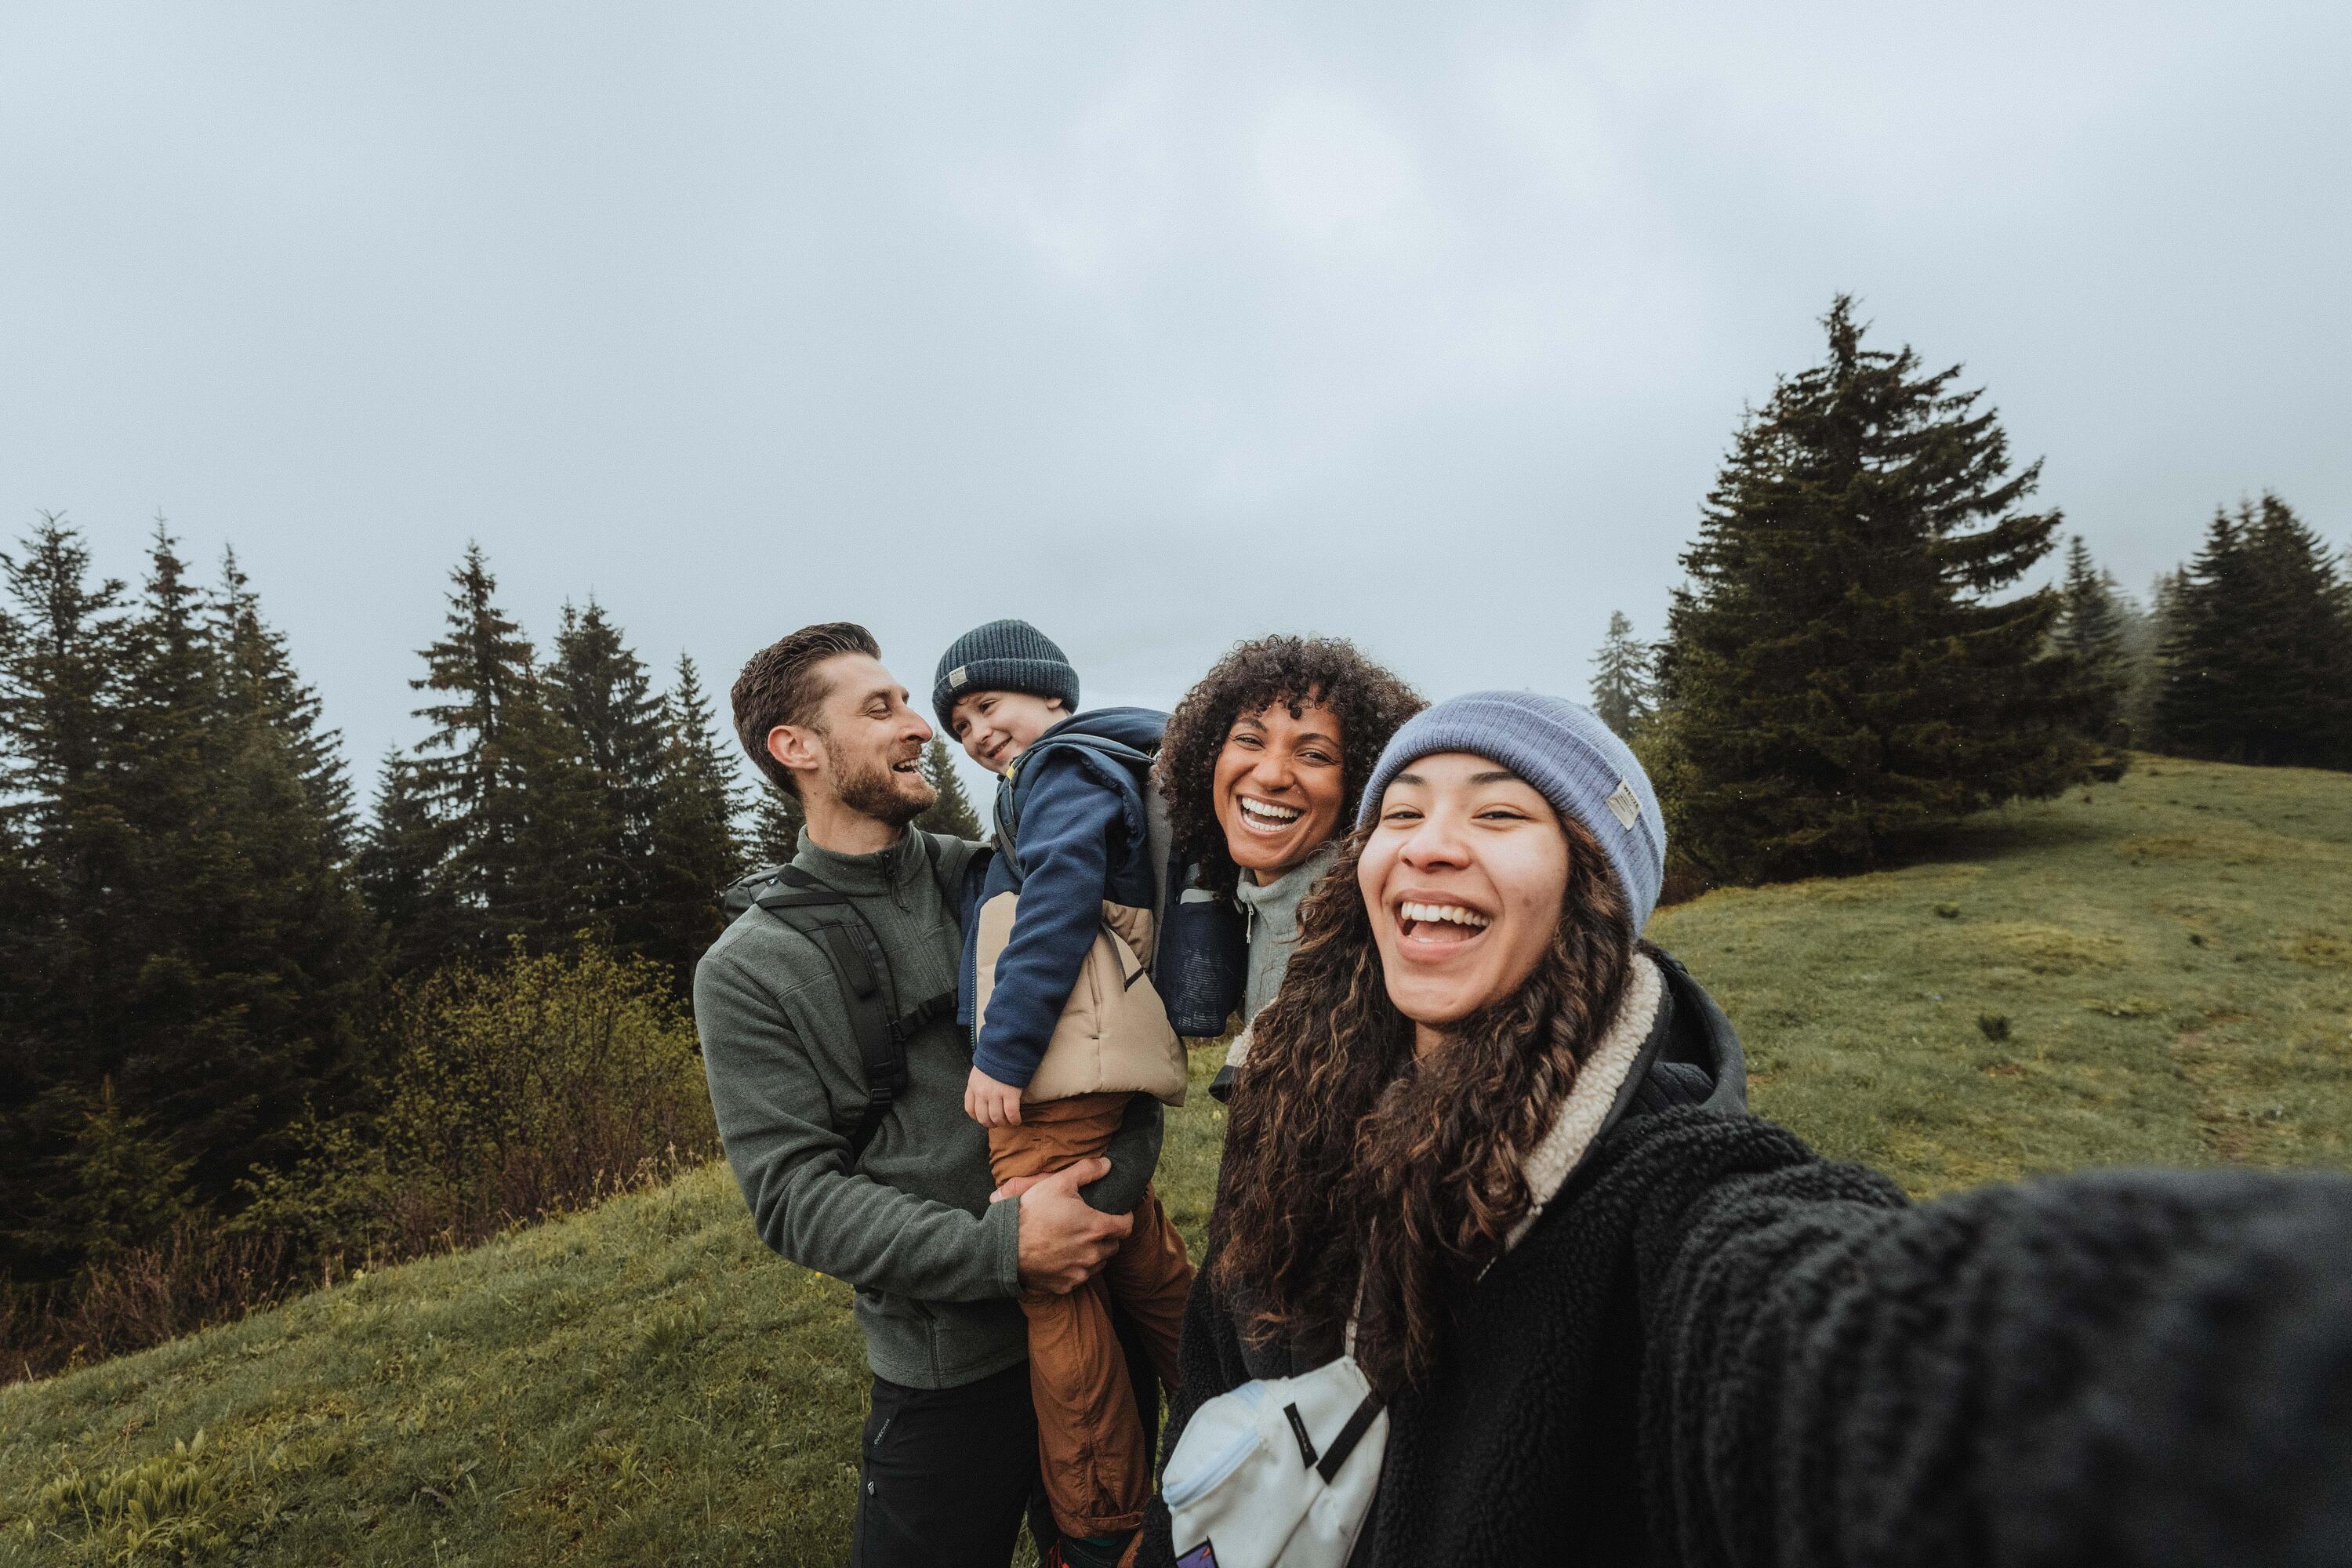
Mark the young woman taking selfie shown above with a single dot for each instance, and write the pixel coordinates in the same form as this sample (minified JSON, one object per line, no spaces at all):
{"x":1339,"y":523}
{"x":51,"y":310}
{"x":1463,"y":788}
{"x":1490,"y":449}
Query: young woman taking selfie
{"x":1490,"y":1160}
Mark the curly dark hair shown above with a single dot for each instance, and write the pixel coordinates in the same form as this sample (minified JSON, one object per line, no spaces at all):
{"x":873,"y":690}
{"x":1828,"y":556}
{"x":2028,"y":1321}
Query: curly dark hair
{"x":1369,"y":703}
{"x":1349,"y":1164}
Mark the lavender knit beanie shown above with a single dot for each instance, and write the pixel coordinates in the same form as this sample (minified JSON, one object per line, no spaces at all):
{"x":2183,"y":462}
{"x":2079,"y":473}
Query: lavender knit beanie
{"x":1573,"y":759}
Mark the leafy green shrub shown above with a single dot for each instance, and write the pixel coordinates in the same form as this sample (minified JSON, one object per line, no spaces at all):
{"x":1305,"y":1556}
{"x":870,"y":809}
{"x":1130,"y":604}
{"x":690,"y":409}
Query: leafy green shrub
{"x":509,"y":1095}
{"x":512,"y":1094}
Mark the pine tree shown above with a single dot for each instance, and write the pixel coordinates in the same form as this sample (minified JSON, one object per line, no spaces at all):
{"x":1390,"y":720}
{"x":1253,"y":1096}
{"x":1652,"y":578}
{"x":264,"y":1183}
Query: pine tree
{"x":952,"y":813}
{"x":398,"y":868}
{"x":776,"y":823}
{"x":508,"y":816}
{"x":613,"y":727}
{"x":2258,"y":647}
{"x":1625,"y":692}
{"x":64,"y":653}
{"x":1842,"y":681}
{"x":118,"y":1185}
{"x":695,"y":849}
{"x":261,"y":673}
{"x":2090,"y":631}
{"x":189,"y":1059}
{"x":2145,"y":639}
{"x":291,"y":941}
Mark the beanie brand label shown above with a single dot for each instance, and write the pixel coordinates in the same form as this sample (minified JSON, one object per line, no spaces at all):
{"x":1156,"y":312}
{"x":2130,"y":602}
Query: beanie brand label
{"x":956,"y":676}
{"x":1623,"y":806}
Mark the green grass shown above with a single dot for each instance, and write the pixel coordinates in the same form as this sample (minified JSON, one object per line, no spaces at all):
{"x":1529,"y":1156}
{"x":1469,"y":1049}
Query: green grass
{"x":644,"y":1384}
{"x":2167,"y":961}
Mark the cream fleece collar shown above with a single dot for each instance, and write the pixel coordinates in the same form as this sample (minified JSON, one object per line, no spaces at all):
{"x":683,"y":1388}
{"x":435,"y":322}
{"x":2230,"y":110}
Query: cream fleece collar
{"x":1598,"y":1079}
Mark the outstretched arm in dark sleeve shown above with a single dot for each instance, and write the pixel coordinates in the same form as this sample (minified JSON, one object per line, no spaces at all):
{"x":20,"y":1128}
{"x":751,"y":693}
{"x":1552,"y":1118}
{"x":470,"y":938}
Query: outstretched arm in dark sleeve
{"x":2145,"y":1367}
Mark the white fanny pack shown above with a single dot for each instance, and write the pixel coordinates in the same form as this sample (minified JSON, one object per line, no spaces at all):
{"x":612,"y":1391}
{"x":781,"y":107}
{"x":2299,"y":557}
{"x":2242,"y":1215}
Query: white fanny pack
{"x":1281,"y":1470}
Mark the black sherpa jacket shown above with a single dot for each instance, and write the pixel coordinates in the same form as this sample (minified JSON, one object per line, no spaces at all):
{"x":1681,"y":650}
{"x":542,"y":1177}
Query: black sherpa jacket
{"x":1716,"y":1348}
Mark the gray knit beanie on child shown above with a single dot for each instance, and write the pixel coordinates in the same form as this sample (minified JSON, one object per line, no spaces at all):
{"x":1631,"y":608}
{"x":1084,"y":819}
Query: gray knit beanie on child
{"x":1572,"y":759}
{"x":1003,"y":656}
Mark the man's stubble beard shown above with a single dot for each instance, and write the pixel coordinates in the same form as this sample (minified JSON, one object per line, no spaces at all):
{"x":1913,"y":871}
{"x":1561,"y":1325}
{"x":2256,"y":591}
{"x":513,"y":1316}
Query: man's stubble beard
{"x":875,"y":792}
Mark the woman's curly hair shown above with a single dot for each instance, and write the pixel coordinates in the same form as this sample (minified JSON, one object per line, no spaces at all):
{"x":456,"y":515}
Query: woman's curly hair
{"x":1370,"y":704}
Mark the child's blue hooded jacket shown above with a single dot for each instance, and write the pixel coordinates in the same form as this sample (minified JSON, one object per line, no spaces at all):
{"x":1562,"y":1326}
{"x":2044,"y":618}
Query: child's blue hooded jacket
{"x":1083,"y":841}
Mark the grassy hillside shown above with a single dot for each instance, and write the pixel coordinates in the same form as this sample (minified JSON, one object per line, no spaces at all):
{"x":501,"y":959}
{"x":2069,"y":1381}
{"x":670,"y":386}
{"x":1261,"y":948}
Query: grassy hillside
{"x":2156,"y":971}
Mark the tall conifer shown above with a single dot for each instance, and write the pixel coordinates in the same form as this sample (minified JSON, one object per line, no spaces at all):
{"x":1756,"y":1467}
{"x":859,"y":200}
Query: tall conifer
{"x":265,"y":686}
{"x":2258,"y":645}
{"x":613,"y":727}
{"x":952,"y":812}
{"x":472,"y":772}
{"x":1844,"y":681}
{"x":2090,"y":631}
{"x":1624,"y":690}
{"x":63,"y":658}
{"x":776,"y":823}
{"x":695,"y":849}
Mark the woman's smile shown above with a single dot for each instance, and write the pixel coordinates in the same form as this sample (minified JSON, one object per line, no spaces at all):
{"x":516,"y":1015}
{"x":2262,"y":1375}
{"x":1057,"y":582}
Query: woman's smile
{"x":1265,"y":816}
{"x":1436,"y":926}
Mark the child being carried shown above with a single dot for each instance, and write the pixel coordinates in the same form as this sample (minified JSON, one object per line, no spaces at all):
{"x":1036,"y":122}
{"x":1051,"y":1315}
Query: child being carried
{"x":1065,"y":1027}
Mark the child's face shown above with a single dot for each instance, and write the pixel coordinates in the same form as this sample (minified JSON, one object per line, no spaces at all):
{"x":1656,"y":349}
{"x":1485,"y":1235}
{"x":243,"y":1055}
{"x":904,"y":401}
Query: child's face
{"x":994,"y":727}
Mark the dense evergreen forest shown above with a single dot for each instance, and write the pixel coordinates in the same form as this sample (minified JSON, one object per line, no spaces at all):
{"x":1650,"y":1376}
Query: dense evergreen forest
{"x":247,"y":1033}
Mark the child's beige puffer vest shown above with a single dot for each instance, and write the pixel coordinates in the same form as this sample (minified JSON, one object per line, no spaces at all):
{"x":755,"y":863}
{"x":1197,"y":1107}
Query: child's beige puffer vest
{"x":1113,"y":1034}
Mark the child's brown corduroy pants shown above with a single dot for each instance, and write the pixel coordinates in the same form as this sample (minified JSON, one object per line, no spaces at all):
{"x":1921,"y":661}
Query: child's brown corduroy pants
{"x":1091,"y":1442}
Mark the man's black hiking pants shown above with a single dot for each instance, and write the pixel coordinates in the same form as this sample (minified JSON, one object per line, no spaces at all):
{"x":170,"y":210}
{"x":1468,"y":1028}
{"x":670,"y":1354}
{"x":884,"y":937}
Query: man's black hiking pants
{"x":945,"y":1474}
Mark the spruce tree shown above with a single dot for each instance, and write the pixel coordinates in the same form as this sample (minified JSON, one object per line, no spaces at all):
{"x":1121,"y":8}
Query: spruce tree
{"x":1624,"y":691}
{"x":1844,"y":682}
{"x":776,"y":823}
{"x":2258,"y":647}
{"x":2090,"y":631}
{"x":63,"y":657}
{"x":266,"y":688}
{"x":2145,"y":639}
{"x":613,"y":726}
{"x":695,"y":849}
{"x":398,"y":868}
{"x":952,"y":813}
{"x":505,"y":808}
{"x":189,"y":1061}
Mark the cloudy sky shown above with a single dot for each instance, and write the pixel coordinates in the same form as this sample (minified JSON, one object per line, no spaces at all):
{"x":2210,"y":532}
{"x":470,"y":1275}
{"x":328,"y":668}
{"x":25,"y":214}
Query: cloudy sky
{"x":1159,"y":325}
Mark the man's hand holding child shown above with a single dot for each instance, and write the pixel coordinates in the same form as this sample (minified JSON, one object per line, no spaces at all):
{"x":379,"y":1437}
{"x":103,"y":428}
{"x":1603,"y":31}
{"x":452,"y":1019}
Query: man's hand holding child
{"x":990,"y":1103}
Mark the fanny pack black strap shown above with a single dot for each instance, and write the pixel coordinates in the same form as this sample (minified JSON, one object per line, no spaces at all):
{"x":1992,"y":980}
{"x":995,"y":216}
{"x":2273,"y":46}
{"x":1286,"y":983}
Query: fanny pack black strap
{"x":1349,"y":1435}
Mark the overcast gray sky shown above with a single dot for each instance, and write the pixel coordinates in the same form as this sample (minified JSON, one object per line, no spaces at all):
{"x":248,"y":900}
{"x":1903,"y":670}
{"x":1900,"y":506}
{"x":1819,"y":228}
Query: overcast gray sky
{"x":1161,"y":326}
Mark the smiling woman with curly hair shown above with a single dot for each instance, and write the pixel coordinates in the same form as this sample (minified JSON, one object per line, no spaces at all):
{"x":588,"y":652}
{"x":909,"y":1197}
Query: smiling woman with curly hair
{"x":1263,"y":765}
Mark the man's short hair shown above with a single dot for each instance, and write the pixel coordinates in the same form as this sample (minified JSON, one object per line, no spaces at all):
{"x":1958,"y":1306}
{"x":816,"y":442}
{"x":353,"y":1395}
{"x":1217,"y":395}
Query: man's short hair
{"x":779,"y":686}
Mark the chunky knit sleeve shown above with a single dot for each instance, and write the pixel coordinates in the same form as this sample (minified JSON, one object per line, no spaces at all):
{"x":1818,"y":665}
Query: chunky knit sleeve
{"x":2144,"y":1367}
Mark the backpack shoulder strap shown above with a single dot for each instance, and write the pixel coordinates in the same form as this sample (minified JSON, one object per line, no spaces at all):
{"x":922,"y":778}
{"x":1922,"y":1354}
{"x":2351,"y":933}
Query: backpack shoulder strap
{"x":860,"y":967}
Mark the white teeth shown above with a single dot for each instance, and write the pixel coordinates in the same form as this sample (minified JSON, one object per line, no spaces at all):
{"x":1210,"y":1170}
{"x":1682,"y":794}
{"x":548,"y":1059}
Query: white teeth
{"x":1267,"y":812}
{"x":1453,"y":913}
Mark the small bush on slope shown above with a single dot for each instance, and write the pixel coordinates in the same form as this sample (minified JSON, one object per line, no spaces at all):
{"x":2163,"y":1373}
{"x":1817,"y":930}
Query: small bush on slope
{"x":515,"y":1093}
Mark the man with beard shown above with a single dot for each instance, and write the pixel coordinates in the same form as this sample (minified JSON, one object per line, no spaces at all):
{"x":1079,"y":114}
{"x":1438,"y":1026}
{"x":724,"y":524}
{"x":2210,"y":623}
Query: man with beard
{"x":898,"y":1203}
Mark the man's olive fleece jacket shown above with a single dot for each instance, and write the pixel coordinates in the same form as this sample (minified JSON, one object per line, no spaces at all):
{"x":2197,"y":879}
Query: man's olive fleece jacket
{"x":911,"y":1227}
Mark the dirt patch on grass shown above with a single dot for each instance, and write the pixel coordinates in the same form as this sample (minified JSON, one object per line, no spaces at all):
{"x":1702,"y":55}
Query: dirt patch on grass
{"x":2321,"y":950}
{"x":2241,"y":847}
{"x":2053,"y":949}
